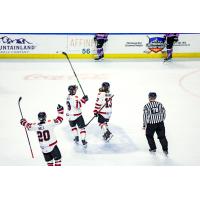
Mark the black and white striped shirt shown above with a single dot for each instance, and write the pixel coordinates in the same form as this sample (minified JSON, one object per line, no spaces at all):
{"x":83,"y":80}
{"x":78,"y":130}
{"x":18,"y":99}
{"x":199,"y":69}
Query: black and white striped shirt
{"x":154,"y":112}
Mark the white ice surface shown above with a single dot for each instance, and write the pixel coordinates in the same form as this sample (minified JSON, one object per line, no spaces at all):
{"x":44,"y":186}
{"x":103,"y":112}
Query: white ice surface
{"x":43,"y":84}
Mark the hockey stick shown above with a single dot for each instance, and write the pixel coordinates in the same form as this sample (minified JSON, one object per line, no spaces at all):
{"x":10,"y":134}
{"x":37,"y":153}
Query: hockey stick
{"x":73,"y":71}
{"x":99,"y":110}
{"x":20,"y":98}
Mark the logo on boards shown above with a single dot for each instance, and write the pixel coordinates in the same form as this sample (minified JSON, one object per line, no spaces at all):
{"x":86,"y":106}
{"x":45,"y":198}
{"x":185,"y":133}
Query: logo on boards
{"x":15,"y":45}
{"x":155,"y":44}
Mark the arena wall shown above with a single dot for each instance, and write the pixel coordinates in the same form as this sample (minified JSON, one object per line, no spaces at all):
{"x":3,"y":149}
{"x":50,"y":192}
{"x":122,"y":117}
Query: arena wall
{"x":82,"y":46}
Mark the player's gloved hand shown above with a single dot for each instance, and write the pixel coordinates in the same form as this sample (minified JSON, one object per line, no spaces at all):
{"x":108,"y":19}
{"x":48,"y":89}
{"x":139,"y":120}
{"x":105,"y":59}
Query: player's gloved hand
{"x":60,"y":109}
{"x":176,"y":39}
{"x":85,"y":98}
{"x":23,"y":122}
{"x":96,"y":113}
{"x":143,"y":127}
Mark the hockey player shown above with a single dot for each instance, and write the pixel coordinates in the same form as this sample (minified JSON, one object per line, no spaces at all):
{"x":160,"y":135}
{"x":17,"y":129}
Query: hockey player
{"x":153,"y":121}
{"x":46,"y":137}
{"x":100,"y":39}
{"x":74,"y":114}
{"x":170,"y":39}
{"x":104,"y":97}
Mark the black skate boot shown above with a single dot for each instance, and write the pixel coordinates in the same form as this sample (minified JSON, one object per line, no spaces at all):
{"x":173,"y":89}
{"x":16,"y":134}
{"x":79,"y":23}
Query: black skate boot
{"x":107,"y":136}
{"x":84,"y":142}
{"x":168,"y":59}
{"x":76,"y":140}
{"x":99,"y":57}
{"x":165,"y":152}
{"x":152,"y":150}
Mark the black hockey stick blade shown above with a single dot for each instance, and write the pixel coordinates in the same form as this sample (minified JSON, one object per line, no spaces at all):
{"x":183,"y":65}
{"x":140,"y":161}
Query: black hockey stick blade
{"x":65,"y":54}
{"x":20,"y":98}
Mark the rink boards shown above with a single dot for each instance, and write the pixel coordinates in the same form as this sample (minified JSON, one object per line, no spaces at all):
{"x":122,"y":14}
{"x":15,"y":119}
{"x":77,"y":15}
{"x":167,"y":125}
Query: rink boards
{"x":82,"y":45}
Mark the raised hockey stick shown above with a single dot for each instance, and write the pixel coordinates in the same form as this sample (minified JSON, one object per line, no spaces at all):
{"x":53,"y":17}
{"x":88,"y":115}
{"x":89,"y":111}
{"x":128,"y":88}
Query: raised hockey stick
{"x":20,"y":98}
{"x":100,"y":110}
{"x":73,"y":71}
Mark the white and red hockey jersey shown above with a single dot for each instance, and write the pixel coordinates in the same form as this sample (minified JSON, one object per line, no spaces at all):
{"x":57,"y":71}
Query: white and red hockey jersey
{"x":104,"y":98}
{"x":45,"y":132}
{"x":74,"y":105}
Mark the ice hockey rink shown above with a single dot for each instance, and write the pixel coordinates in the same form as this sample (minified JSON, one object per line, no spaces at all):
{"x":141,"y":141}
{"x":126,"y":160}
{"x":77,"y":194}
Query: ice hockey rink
{"x":43,"y":84}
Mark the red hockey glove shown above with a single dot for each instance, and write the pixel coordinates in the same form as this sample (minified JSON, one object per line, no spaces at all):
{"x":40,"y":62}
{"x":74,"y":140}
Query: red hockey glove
{"x":60,"y":109}
{"x":23,"y":122}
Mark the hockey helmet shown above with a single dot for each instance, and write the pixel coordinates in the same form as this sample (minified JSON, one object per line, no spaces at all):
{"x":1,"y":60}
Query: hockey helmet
{"x":105,"y":86}
{"x":42,"y":116}
{"x":152,"y":95}
{"x":72,"y":89}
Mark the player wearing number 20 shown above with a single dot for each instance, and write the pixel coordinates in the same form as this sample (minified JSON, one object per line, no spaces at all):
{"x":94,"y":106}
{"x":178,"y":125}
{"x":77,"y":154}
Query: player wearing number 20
{"x":74,"y":114}
{"x":104,"y":98}
{"x":46,"y":137}
{"x":153,"y":121}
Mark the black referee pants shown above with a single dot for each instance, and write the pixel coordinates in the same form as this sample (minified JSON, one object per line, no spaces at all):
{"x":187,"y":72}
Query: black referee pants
{"x":159,"y":128}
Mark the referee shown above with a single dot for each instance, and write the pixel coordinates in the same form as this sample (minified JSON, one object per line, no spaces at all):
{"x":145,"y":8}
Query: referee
{"x":153,"y":121}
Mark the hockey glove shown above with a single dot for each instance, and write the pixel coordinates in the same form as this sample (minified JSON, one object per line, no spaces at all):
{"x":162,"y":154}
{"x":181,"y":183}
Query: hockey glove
{"x":85,"y":98}
{"x":23,"y":122}
{"x":60,"y":109}
{"x":176,"y":39}
{"x":96,"y":114}
{"x":144,"y":127}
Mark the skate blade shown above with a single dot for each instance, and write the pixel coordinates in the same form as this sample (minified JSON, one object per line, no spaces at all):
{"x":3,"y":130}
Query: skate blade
{"x":111,"y":136}
{"x":76,"y":143}
{"x":166,"y":154}
{"x":99,"y":59}
{"x":167,"y":61}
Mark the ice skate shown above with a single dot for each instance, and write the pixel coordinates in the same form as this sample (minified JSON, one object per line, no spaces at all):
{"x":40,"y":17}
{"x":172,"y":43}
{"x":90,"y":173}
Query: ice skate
{"x":76,"y":140}
{"x":84,"y":142}
{"x":99,"y":58}
{"x":152,"y":150}
{"x":165,"y":152}
{"x":168,"y":59}
{"x":107,"y":136}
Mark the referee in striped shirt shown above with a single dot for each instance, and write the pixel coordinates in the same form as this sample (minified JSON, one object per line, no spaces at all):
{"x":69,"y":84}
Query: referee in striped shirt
{"x":153,"y":121}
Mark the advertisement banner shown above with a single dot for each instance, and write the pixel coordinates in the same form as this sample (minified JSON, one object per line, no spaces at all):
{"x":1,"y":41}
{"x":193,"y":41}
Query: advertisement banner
{"x":83,"y":45}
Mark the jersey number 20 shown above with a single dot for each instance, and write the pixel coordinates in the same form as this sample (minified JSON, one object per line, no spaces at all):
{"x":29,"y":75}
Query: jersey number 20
{"x":43,"y":135}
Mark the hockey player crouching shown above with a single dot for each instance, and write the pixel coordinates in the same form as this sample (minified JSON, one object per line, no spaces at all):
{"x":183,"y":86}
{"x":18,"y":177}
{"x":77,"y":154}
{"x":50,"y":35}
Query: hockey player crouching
{"x":74,"y":114}
{"x":46,"y":137}
{"x":104,"y":98}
